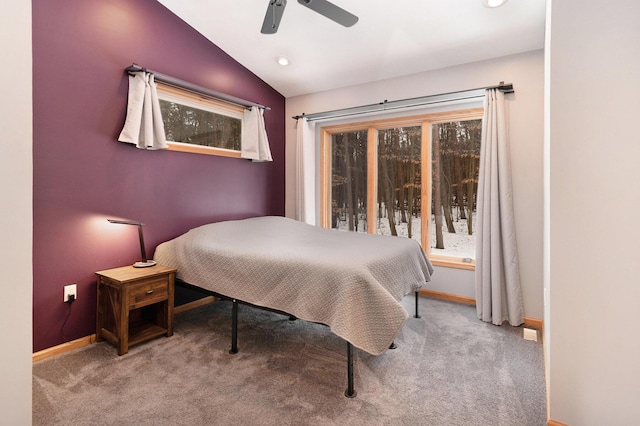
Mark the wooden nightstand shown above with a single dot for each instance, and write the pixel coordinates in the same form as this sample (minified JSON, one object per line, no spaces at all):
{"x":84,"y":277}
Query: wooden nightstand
{"x":134,"y":305}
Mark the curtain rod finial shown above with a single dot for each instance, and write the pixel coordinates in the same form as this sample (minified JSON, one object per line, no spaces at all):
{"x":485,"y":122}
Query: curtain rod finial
{"x":505,"y":88}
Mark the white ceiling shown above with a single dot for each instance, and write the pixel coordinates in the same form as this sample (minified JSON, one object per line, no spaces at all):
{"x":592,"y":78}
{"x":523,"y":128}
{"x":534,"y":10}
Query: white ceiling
{"x":392,"y":38}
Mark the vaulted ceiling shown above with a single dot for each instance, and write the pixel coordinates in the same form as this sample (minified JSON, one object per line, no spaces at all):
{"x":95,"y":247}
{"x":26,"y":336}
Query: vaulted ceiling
{"x":390,"y":39}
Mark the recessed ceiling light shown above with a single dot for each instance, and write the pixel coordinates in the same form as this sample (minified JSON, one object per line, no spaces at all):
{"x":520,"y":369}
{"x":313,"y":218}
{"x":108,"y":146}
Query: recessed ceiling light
{"x":282,"y":61}
{"x":493,"y":3}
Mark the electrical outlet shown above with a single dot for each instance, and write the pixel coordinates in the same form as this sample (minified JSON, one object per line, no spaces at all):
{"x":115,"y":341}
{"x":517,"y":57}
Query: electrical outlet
{"x":530,"y":334}
{"x":70,"y":290}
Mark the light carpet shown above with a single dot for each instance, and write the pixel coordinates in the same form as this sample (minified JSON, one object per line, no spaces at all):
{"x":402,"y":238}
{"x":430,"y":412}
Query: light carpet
{"x":449,"y":369}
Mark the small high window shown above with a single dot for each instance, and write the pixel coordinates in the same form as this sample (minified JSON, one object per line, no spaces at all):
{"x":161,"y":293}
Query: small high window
{"x":194,"y":123}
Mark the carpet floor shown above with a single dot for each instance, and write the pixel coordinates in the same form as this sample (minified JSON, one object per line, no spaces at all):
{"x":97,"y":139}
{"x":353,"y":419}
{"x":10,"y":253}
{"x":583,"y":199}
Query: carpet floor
{"x":449,"y":369}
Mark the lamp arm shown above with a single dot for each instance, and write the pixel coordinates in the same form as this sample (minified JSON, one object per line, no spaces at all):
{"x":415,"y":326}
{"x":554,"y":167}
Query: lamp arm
{"x":144,"y":263}
{"x":142,"y":251}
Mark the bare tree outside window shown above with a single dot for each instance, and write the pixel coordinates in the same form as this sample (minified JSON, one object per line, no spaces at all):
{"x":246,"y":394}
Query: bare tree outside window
{"x":455,"y":160}
{"x":399,"y":182}
{"x":187,"y":124}
{"x":349,"y":181}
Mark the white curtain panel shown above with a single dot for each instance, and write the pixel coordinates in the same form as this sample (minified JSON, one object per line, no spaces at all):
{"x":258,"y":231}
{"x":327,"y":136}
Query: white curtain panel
{"x":255,"y":144}
{"x":305,"y":172}
{"x":143,"y":126}
{"x":498,"y":290}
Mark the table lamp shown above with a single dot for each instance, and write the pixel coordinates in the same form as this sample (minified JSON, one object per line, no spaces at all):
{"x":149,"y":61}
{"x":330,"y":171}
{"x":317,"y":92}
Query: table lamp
{"x":144,"y":263}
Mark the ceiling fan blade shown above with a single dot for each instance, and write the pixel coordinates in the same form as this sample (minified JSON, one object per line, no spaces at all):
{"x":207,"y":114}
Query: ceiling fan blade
{"x":272,"y":18}
{"x":331,"y":11}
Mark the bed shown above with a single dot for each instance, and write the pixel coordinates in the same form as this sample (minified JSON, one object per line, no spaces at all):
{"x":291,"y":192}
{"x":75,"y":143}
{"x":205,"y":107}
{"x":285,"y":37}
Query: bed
{"x":351,"y":282}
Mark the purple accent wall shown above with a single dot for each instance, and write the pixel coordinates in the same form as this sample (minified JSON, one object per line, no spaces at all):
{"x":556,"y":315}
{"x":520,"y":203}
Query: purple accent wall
{"x":82,"y":175}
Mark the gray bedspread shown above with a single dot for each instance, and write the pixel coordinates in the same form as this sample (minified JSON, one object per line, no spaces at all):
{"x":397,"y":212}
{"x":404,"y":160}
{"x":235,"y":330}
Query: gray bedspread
{"x":352,"y":282}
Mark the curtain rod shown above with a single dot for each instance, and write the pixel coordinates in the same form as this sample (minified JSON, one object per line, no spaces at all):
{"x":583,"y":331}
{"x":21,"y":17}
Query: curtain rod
{"x":406,"y":103}
{"x":194,"y":87}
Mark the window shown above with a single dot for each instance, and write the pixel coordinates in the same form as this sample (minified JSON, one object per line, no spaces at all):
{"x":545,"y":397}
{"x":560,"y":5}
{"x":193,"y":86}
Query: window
{"x":414,"y":177}
{"x":193,"y":123}
{"x":349,"y":181}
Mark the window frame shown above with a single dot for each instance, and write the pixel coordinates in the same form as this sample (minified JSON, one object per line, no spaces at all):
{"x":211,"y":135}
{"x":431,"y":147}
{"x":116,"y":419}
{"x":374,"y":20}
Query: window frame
{"x":373,"y":126}
{"x":188,"y":98}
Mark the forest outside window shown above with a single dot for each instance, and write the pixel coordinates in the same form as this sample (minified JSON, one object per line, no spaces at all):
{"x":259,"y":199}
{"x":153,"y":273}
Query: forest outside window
{"x":198,"y":124}
{"x":413,"y":177}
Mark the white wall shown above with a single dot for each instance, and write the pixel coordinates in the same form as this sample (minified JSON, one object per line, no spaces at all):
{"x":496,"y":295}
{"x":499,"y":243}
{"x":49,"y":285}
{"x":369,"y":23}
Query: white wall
{"x":594,"y":203}
{"x":525,"y":71}
{"x":16,"y":224}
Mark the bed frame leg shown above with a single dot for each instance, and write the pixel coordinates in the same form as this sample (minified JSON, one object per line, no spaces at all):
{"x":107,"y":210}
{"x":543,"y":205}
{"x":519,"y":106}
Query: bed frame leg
{"x":234,"y":327}
{"x":417,"y":315}
{"x":350,"y":392}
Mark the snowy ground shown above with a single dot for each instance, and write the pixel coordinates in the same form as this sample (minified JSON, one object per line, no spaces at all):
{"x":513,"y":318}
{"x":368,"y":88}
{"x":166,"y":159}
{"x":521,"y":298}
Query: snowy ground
{"x":459,"y":244}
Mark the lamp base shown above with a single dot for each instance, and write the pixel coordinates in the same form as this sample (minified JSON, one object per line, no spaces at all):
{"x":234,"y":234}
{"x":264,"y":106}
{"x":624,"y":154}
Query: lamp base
{"x":144,"y":264}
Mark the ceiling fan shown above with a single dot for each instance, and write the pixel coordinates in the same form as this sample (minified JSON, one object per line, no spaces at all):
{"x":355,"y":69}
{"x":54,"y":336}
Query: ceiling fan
{"x":275,"y":10}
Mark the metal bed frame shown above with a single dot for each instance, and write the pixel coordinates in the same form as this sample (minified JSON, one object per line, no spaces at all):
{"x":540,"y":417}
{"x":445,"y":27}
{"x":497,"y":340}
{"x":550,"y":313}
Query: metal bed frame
{"x":350,"y":392}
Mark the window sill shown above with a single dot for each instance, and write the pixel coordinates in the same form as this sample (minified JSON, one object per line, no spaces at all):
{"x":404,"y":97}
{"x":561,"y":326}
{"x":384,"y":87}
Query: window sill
{"x":201,"y":149}
{"x":452,"y":262}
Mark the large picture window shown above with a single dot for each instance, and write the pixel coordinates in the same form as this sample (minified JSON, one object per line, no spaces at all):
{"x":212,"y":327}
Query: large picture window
{"x":194,"y":123}
{"x":413,"y":177}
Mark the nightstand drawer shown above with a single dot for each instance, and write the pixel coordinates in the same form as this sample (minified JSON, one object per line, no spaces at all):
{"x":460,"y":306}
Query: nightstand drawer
{"x":148,"y":292}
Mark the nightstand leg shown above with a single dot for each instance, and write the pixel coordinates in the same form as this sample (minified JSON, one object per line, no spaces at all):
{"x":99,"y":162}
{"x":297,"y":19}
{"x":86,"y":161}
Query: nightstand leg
{"x":100,"y":312}
{"x":123,"y":326}
{"x":170,"y":303}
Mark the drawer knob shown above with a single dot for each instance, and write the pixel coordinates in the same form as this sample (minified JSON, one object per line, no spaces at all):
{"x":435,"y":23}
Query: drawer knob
{"x":149,"y":291}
